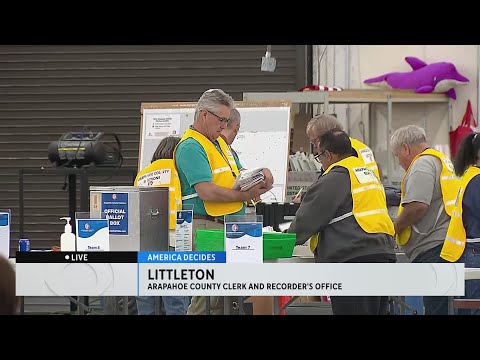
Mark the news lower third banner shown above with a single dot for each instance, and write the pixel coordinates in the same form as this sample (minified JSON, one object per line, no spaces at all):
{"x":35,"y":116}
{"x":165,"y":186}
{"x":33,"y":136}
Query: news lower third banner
{"x":207,"y":273}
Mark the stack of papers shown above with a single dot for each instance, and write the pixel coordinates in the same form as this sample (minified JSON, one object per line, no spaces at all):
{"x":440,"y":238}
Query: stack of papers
{"x":302,"y":162}
{"x":268,"y":229}
{"x":248,"y":179}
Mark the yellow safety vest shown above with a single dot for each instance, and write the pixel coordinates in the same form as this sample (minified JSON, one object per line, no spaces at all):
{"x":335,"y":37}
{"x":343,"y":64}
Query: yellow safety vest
{"x":224,"y":172}
{"x":369,"y":201}
{"x":449,"y":184}
{"x":365,"y":154}
{"x":454,"y":244}
{"x":163,"y":173}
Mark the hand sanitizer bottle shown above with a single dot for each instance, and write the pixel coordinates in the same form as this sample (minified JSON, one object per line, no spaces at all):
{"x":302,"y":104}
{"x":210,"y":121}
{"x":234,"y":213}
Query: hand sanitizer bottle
{"x":67,"y":240}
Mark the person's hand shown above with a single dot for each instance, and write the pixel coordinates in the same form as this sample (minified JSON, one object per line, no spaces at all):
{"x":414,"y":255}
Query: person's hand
{"x":297,"y":200}
{"x":256,"y":200}
{"x":268,"y":178}
{"x":257,"y":190}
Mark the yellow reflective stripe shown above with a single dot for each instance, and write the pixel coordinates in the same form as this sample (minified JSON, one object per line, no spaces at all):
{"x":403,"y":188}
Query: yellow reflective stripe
{"x":455,"y":241}
{"x":456,"y":213}
{"x":450,"y":202}
{"x":220,"y":170}
{"x":373,"y":167}
{"x":171,"y":188}
{"x":173,"y":212}
{"x":371,"y":212}
{"x":367,"y":187}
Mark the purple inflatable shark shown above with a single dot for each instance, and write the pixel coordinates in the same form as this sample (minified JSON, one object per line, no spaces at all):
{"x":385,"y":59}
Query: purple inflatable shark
{"x":439,"y":77}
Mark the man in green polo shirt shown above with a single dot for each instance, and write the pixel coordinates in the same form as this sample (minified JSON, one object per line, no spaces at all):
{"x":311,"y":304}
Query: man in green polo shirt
{"x":192,"y":156}
{"x":207,"y":171}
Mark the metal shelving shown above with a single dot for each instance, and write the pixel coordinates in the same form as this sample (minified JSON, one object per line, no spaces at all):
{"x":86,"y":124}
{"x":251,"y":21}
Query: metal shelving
{"x":358,"y":96}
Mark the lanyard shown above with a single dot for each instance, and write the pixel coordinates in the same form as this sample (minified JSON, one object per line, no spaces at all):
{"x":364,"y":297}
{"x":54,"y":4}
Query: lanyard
{"x":221,"y":153}
{"x":224,"y":157}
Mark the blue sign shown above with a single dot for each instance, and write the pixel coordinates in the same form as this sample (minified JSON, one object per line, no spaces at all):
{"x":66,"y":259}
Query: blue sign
{"x":236,"y":230}
{"x":184,"y":216}
{"x":87,"y":227}
{"x":200,"y":257}
{"x":115,"y":209}
{"x":4,"y":219}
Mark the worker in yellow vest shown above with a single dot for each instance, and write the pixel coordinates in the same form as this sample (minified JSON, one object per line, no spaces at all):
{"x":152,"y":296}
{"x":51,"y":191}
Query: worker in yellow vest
{"x":318,"y":126}
{"x":322,"y":123}
{"x":162,"y":172}
{"x":462,"y":243}
{"x":428,"y":191}
{"x":347,"y":207}
{"x":207,"y":172}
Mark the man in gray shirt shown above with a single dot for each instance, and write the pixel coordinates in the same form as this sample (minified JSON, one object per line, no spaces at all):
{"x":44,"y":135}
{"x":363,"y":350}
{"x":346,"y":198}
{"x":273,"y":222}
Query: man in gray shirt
{"x":423,"y":210}
{"x":327,"y":210}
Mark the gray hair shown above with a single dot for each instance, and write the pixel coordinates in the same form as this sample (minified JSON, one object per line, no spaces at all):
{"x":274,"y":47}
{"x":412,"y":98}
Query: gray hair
{"x":410,"y":135}
{"x":320,"y":124}
{"x":234,"y":118}
{"x":211,"y":99}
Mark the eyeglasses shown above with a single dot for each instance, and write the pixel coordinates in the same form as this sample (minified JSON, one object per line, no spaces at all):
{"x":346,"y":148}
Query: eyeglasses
{"x":223,"y":120}
{"x":314,"y":141}
{"x":317,"y":157}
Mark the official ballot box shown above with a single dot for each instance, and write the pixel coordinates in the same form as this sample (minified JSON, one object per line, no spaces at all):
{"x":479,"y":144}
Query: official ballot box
{"x":138,"y":216}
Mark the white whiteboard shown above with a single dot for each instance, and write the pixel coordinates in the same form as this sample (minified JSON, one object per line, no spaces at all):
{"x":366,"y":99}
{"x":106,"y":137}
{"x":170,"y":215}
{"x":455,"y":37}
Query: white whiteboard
{"x":263,"y":139}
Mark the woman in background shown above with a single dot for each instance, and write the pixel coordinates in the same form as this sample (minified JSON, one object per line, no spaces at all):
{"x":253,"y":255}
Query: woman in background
{"x":462,"y":243}
{"x":162,"y":159}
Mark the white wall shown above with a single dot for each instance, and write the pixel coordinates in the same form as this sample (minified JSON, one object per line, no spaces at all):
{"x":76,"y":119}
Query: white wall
{"x":348,"y":66}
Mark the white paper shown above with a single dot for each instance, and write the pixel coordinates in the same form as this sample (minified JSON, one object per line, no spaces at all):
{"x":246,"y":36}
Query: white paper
{"x":5,"y":234}
{"x":364,"y":175}
{"x":159,"y":126}
{"x":248,"y":178}
{"x":244,"y":242}
{"x":448,"y":164}
{"x":367,"y":156}
{"x":93,"y":235}
{"x":284,"y":226}
{"x":183,"y":230}
{"x":268,"y":229}
{"x":303,"y":250}
{"x":155,"y":178}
